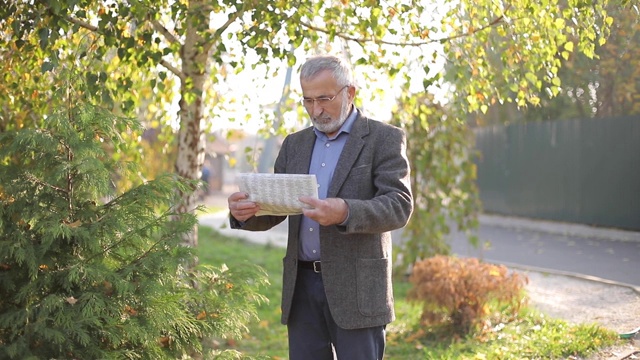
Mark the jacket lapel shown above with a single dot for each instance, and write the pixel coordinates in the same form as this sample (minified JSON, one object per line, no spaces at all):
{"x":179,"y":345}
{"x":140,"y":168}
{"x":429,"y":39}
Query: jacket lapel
{"x":349,"y":154}
{"x":299,"y":164}
{"x":301,"y":157}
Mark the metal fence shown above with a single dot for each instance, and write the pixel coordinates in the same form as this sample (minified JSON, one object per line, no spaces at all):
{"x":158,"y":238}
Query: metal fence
{"x":580,"y":171}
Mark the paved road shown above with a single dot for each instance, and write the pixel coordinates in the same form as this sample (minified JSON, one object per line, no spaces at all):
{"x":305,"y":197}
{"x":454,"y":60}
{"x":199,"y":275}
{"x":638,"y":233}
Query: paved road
{"x":605,"y":254}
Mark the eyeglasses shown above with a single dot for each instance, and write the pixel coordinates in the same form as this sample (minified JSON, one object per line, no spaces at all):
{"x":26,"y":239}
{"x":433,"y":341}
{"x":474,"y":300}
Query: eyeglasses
{"x":322,"y":101}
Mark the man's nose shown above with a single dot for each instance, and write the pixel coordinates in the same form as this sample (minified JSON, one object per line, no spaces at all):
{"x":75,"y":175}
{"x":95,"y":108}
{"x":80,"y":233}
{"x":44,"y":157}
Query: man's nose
{"x":316,"y":109}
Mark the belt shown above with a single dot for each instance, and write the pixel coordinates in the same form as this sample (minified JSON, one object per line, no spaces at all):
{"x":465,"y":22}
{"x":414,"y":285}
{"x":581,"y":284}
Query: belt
{"x":316,"y":266}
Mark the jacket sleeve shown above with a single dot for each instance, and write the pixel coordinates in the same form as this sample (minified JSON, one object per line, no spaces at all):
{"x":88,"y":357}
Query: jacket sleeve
{"x":387,"y":202}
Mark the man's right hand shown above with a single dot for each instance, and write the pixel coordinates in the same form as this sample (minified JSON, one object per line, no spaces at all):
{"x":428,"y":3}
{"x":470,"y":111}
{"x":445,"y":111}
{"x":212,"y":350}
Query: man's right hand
{"x":241,"y":208}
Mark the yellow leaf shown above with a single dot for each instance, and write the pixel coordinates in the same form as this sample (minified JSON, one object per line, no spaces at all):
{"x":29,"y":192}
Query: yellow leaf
{"x":535,"y":100}
{"x":71,"y":300}
{"x":202,"y":315}
{"x":75,"y":224}
{"x":131,"y":311}
{"x":568,"y":46}
{"x":609,"y":20}
{"x":494,"y":272}
{"x":164,"y":341}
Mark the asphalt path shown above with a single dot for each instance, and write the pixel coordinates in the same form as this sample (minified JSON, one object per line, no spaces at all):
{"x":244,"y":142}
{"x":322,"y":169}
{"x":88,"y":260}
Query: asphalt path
{"x":608,"y":255}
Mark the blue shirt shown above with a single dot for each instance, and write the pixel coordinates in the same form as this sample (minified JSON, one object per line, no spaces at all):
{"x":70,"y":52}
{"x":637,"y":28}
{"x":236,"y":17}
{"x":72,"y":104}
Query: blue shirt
{"x":324,"y":159}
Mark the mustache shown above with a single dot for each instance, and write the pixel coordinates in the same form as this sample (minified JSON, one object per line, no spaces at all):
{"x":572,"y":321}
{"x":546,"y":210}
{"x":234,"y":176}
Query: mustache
{"x":323,"y":118}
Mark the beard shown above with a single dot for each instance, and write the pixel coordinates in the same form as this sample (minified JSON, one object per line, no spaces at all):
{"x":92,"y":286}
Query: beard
{"x":328,"y":125}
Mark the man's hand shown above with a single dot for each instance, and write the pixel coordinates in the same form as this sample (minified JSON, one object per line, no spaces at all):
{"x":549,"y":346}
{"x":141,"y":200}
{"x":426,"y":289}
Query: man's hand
{"x":241,"y":208}
{"x":326,"y":212}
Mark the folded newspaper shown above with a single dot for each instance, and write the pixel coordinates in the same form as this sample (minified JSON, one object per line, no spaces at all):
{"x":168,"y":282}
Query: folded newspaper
{"x":277,"y":194}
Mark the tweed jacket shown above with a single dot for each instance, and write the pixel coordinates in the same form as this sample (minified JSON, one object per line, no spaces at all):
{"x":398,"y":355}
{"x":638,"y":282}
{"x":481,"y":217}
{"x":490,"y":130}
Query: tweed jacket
{"x":372,"y":176}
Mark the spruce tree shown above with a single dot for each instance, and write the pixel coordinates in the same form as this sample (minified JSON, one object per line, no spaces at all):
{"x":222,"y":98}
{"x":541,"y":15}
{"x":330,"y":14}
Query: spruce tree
{"x":88,"y":271}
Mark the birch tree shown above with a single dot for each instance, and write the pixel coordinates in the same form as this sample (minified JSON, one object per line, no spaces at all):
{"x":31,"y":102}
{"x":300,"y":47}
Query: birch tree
{"x":182,"y":51}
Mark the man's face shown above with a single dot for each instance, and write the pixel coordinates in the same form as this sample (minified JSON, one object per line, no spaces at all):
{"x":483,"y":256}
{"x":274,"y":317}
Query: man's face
{"x":327,"y":115}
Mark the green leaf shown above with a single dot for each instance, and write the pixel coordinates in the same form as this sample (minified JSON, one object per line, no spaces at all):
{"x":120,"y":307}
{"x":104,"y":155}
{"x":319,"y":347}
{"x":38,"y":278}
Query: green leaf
{"x":43,"y":34}
{"x":122,"y":53}
{"x":46,"y":66}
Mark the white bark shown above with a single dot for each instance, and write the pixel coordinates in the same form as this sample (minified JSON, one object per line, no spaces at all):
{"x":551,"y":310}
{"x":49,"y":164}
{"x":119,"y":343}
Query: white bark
{"x":191,"y":146}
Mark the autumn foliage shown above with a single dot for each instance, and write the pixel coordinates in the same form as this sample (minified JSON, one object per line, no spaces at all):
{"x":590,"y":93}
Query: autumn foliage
{"x":459,"y":291}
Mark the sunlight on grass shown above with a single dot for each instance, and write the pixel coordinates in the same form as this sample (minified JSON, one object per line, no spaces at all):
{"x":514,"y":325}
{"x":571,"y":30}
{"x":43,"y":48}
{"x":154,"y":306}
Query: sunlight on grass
{"x":531,"y":336}
{"x":209,"y":209}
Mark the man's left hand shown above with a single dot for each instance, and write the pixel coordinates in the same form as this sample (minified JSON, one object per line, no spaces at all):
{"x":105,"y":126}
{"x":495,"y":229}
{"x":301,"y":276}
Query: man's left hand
{"x":326,"y":212}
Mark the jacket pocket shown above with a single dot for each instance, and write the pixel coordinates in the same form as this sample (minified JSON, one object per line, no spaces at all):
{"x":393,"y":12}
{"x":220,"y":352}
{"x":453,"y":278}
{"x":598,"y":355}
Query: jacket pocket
{"x":375,"y":295}
{"x":360,"y":170}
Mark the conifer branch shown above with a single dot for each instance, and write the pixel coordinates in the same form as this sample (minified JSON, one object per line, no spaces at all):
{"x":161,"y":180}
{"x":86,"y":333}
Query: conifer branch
{"x":34,"y":179}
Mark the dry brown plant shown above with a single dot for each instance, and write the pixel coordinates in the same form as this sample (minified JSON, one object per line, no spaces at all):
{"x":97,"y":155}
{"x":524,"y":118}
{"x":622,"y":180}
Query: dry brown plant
{"x":459,"y":292}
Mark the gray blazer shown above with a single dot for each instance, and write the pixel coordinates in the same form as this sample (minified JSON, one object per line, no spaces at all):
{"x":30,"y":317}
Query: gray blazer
{"x":372,"y":176}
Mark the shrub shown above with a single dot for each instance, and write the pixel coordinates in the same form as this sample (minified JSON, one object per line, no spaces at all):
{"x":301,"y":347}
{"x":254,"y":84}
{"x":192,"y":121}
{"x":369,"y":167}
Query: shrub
{"x":88,"y":273}
{"x":459,"y":291}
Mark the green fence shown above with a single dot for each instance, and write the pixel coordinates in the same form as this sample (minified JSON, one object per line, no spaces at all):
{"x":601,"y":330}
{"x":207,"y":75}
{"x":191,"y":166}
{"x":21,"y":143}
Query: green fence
{"x":579,"y":171}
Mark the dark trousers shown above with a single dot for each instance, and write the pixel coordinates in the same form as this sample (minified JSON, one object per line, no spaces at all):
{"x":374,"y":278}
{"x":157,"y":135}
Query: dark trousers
{"x":314,"y":335}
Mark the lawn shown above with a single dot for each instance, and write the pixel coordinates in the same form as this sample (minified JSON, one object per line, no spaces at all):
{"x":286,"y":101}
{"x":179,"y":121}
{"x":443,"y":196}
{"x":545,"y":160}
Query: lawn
{"x":530,"y":336}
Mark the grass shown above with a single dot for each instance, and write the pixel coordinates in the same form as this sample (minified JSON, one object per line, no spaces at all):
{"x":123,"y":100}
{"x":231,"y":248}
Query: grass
{"x":530,"y":336}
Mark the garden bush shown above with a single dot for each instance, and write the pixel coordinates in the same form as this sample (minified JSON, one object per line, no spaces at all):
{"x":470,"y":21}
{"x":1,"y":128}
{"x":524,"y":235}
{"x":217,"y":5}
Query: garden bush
{"x":88,"y":271}
{"x":461,"y":292}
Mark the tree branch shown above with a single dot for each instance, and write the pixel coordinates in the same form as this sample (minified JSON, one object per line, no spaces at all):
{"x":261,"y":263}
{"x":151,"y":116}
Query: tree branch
{"x":173,"y":69}
{"x":229,"y":21}
{"x":82,"y":24}
{"x":219,"y":31}
{"x":158,"y":27}
{"x":362,"y":40}
{"x":34,"y":179}
{"x":165,"y":32}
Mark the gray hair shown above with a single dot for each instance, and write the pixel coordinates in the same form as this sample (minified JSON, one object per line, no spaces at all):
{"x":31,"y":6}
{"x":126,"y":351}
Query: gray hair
{"x":338,"y":67}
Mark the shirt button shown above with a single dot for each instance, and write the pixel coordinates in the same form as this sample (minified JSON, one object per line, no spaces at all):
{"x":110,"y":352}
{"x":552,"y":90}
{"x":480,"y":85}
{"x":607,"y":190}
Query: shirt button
{"x":323,"y":164}
{"x":311,"y":229}
{"x":327,"y":145}
{"x":314,"y":251}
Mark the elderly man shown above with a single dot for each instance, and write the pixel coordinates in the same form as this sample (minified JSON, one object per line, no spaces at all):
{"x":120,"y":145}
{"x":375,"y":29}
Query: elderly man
{"x":337,"y":294}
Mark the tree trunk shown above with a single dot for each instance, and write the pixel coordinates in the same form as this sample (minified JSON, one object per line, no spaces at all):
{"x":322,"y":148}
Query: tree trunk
{"x":191,"y":146}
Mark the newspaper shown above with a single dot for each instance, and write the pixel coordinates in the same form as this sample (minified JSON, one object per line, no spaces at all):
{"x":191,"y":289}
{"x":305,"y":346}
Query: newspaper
{"x":277,"y":194}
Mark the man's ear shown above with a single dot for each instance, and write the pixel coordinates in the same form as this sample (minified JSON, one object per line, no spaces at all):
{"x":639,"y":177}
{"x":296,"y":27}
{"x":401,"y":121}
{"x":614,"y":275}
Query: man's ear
{"x":352,"y":92}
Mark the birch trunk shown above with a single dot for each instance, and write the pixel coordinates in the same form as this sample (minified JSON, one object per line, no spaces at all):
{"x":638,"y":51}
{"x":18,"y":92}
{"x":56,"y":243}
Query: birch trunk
{"x":191,"y":146}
